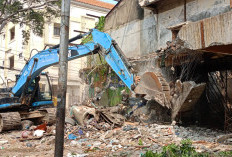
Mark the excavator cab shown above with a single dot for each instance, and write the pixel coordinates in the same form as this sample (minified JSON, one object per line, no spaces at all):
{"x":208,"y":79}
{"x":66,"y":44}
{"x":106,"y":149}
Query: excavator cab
{"x":45,"y":92}
{"x":40,"y":91}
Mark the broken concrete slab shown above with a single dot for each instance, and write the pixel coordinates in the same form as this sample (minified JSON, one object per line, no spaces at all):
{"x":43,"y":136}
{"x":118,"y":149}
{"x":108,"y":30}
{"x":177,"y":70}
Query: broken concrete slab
{"x":83,"y":113}
{"x":188,"y":95}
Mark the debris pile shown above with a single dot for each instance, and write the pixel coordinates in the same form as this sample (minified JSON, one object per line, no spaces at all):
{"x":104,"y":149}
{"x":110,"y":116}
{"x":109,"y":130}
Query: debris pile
{"x":98,"y":118}
{"x":133,"y":138}
{"x":106,"y":131}
{"x":36,"y":132}
{"x":96,"y":131}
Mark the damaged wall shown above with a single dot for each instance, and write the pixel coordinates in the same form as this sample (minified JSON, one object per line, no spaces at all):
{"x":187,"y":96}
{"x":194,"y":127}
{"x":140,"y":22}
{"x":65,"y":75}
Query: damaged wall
{"x":140,"y":31}
{"x":173,"y":12}
{"x":129,"y":24}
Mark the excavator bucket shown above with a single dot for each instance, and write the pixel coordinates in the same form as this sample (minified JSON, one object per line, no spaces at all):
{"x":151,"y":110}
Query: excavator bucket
{"x":154,"y":86}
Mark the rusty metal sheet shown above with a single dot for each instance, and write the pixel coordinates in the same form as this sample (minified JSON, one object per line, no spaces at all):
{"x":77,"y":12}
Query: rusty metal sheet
{"x":214,"y":31}
{"x":191,"y":34}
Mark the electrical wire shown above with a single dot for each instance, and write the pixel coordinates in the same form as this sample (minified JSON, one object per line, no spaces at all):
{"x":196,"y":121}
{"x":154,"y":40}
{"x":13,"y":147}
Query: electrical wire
{"x":10,"y":49}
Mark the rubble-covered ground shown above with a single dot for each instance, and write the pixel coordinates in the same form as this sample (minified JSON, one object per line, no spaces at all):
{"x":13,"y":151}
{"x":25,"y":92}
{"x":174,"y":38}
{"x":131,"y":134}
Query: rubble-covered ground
{"x":131,"y":139}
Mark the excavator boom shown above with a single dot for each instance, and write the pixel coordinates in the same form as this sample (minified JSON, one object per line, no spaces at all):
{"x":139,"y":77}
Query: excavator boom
{"x":102,"y":43}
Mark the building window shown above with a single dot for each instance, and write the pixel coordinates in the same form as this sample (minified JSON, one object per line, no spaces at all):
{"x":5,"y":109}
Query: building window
{"x":175,"y":34}
{"x":12,"y":33}
{"x":21,"y":55}
{"x":11,"y":62}
{"x":56,"y":29}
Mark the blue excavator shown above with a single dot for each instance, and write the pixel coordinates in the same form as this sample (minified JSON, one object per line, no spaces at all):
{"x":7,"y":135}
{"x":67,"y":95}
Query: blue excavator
{"x":28,"y":100}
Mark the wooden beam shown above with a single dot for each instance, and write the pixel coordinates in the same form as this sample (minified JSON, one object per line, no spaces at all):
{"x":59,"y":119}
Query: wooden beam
{"x":202,"y":35}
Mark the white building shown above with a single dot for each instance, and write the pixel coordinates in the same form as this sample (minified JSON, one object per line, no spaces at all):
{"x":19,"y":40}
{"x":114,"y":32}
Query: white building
{"x":83,"y":16}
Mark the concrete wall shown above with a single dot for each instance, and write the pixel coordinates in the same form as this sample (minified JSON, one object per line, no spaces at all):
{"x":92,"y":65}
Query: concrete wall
{"x":144,"y":31}
{"x":126,"y":11}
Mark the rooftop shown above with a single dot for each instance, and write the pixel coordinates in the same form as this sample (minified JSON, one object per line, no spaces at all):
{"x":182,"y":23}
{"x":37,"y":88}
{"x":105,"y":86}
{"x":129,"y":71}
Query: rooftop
{"x":97,"y":3}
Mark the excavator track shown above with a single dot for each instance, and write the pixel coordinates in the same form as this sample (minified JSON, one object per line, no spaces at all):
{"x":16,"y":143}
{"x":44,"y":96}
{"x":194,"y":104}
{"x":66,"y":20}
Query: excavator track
{"x":50,"y":115}
{"x":156,"y":87}
{"x":10,"y":121}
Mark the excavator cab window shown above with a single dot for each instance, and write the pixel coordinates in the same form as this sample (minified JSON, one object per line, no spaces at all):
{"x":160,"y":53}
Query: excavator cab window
{"x":44,"y":90}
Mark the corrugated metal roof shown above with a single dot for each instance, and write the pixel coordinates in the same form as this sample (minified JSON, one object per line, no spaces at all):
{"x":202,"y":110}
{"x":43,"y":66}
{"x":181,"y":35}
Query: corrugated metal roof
{"x":212,"y":34}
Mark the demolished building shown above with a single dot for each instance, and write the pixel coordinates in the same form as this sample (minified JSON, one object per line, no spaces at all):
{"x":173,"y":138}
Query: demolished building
{"x":186,"y":45}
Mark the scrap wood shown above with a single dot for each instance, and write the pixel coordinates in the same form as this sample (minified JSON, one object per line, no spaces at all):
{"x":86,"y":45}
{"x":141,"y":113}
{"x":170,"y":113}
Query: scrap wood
{"x":152,"y":139}
{"x":207,"y":144}
{"x":92,"y":149}
{"x":131,"y":123}
{"x":114,"y":118}
{"x":118,"y":128}
{"x":109,"y":117}
{"x":138,"y":146}
{"x":105,"y":118}
{"x":30,"y":138}
{"x":202,"y":142}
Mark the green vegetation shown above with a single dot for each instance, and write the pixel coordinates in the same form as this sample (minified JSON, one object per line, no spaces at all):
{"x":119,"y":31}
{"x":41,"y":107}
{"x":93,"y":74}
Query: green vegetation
{"x":33,"y":14}
{"x":101,"y":23}
{"x":185,"y":149}
{"x":101,"y":72}
{"x":99,"y":26}
{"x":115,"y":96}
{"x":140,"y":142}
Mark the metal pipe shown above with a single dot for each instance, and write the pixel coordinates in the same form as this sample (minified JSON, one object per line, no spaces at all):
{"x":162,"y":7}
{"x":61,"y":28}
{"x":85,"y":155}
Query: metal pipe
{"x":185,"y":11}
{"x":79,"y":31}
{"x":93,"y":16}
{"x":62,"y":81}
{"x":72,"y":39}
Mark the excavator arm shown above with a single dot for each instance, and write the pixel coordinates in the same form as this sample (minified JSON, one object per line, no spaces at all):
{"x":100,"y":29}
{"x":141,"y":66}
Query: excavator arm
{"x":102,"y":44}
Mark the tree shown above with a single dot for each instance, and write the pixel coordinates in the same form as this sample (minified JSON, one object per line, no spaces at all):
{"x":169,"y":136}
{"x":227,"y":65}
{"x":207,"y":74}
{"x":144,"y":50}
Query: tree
{"x":32,"y":13}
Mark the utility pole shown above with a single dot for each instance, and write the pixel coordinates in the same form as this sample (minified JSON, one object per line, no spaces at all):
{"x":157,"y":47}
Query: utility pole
{"x":62,"y":82}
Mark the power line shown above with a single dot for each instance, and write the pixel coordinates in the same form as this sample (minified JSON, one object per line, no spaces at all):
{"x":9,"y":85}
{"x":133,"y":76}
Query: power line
{"x":2,"y":67}
{"x":20,"y":52}
{"x":11,"y":50}
{"x":21,"y":61}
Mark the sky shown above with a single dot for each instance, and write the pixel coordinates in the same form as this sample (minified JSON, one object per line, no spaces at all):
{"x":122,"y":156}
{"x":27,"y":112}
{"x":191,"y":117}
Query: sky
{"x":109,"y":1}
